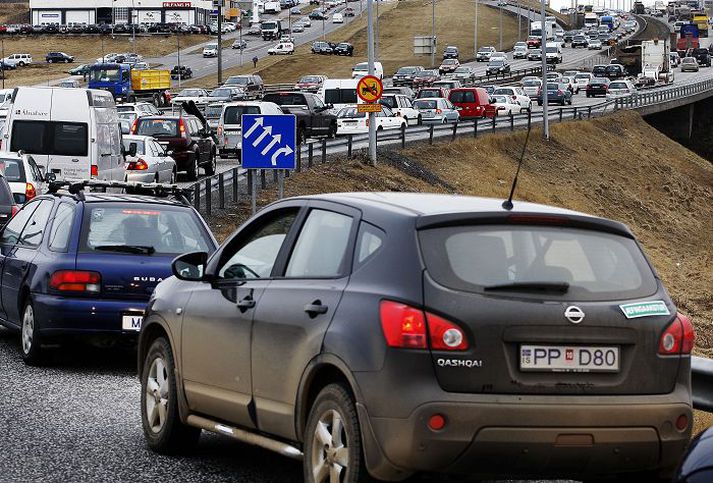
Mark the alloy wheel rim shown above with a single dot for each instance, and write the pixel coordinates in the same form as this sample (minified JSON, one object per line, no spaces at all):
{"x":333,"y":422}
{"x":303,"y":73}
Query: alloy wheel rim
{"x":157,"y":395}
{"x":28,"y":329}
{"x":330,"y":453}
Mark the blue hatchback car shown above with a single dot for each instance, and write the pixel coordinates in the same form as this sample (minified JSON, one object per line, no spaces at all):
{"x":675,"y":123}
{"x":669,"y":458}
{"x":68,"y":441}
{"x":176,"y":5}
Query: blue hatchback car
{"x":86,"y":264}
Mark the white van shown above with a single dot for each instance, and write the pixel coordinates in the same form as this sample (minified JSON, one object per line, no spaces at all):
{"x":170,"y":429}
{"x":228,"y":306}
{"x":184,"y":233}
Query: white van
{"x":73,"y":133}
{"x":553,"y":52}
{"x":340,"y":93}
{"x":230,"y":125}
{"x":362,"y":69}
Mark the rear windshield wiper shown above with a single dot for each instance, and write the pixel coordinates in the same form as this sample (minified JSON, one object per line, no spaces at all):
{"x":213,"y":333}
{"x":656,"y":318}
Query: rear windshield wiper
{"x":137,"y":249}
{"x":559,"y":287}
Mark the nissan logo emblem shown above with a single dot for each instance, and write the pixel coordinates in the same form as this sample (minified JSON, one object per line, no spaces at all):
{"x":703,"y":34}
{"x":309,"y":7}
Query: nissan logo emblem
{"x":574,"y":314}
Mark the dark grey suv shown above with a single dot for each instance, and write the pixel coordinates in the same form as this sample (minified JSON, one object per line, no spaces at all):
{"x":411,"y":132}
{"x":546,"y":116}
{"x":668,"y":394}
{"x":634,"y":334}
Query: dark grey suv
{"x":386,"y":334}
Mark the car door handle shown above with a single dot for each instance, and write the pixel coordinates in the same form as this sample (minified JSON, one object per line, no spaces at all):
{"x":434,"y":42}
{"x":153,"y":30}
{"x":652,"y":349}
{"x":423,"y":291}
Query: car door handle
{"x":316,"y":308}
{"x":246,"y":303}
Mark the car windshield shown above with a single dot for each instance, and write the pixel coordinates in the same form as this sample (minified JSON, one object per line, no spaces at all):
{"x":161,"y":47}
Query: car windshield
{"x":429,"y":93}
{"x":500,"y":99}
{"x":340,"y":96}
{"x":689,"y":60}
{"x":504,"y":91}
{"x":581,"y":76}
{"x":462,"y":70}
{"x":587,"y":264}
{"x":310,"y":79}
{"x":213,"y":112}
{"x":426,"y":104}
{"x":429,"y":73}
{"x":350,"y":113}
{"x":618,"y":85}
{"x":190,"y":93}
{"x":221,"y":93}
{"x":552,"y":87}
{"x":211,"y":46}
{"x":233,"y":114}
{"x":496,"y":63}
{"x":13,"y":170}
{"x":388,"y":101}
{"x":450,"y":62}
{"x":361,"y":67}
{"x":167,"y":128}
{"x":286,"y":99}
{"x":145,"y":229}
{"x":551,"y":50}
{"x":105,"y":75}
{"x":238,"y":81}
{"x":532,"y":83}
{"x":406,"y":70}
{"x":139,"y":145}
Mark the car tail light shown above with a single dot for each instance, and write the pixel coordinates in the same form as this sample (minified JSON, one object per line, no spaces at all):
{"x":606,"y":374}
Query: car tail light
{"x":135,"y":126}
{"x":220,"y":131}
{"x":559,"y":92}
{"x":678,"y":338}
{"x":514,"y":98}
{"x":14,"y":210}
{"x":75,"y":281}
{"x":403,"y":326}
{"x":30,"y":191}
{"x":139,"y":165}
{"x":181,"y":127}
{"x":438,"y":111}
{"x":445,"y":335}
{"x":94,"y":171}
{"x":367,"y":122}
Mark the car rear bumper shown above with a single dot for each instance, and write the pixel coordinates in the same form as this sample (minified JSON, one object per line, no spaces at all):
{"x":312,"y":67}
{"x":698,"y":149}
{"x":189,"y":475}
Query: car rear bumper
{"x":142,"y":177}
{"x":73,"y":315}
{"x":521,"y":436}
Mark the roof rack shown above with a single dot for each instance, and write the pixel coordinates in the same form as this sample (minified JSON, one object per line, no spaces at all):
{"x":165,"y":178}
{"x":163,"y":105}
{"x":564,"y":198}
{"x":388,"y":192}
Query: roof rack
{"x":77,"y":187}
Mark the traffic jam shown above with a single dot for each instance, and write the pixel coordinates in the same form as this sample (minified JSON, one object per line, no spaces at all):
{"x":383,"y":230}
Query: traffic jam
{"x":355,"y":337}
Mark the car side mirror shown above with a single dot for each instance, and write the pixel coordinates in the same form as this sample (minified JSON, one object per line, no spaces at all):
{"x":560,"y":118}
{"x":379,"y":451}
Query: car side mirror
{"x":190,"y":266}
{"x":132,"y":149}
{"x":43,"y":172}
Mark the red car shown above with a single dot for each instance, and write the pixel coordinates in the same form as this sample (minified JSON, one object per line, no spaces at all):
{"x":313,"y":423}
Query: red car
{"x":533,"y":42}
{"x":472,"y":102}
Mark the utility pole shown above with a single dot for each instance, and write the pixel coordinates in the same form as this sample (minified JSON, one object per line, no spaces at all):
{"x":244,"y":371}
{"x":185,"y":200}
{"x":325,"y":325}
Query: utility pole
{"x":501,"y":29}
{"x":376,"y":32}
{"x":519,"y":21}
{"x":475,"y":33}
{"x":133,"y":24}
{"x":546,"y":121}
{"x":433,"y":33}
{"x":370,"y":42}
{"x":220,"y":42}
{"x":178,"y":52}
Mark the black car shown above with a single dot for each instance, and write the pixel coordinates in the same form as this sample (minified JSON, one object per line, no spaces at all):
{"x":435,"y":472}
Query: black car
{"x":188,"y":139}
{"x":53,"y":57}
{"x":497,"y":66}
{"x":615,"y":71}
{"x":386,"y":334}
{"x":405,"y":75}
{"x":599,"y":86}
{"x":579,"y":41}
{"x":322,"y":47}
{"x":8,"y":205}
{"x":450,"y":52}
{"x":344,"y":48}
{"x":702,"y":56}
{"x":317,"y":14}
{"x":599,"y":70}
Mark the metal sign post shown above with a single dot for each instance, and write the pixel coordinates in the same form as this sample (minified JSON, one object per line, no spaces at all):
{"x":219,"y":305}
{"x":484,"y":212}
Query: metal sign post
{"x":370,"y":44}
{"x":268,"y":142}
{"x":369,"y":89}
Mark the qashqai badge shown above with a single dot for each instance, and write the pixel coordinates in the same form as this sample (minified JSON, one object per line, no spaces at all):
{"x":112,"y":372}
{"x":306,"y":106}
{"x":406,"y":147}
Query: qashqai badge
{"x":574,"y":314}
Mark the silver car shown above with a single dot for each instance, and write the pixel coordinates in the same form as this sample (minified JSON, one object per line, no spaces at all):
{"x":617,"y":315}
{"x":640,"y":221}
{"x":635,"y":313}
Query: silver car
{"x":436,"y":110}
{"x":147,"y":161}
{"x":689,"y":64}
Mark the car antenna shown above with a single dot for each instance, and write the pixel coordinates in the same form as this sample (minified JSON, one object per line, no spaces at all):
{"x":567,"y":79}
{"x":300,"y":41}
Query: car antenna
{"x":507,"y":204}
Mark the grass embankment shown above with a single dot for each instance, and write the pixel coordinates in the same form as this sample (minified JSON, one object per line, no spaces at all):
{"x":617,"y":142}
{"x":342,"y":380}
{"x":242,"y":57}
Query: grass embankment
{"x":398,"y":23}
{"x":85,"y":49}
{"x":617,"y":167}
{"x":14,"y":12}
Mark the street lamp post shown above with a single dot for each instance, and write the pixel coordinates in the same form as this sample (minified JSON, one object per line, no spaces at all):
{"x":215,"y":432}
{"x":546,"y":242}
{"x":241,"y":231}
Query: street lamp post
{"x":475,"y":32}
{"x":220,"y":42}
{"x":543,"y":46}
{"x":500,"y":29}
{"x":433,"y":33}
{"x":178,"y":53}
{"x":370,"y":42}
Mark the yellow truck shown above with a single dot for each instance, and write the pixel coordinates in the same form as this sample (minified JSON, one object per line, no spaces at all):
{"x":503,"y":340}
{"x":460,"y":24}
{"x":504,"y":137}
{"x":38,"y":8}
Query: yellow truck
{"x":701,"y":21}
{"x":129,"y":85}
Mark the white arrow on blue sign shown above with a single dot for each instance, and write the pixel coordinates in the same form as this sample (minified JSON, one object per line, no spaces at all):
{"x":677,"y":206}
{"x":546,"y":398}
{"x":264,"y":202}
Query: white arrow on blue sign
{"x":269,"y":141}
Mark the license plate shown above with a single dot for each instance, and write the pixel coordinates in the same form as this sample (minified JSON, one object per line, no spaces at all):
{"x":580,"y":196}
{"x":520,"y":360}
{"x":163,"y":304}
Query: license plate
{"x":132,"y":322}
{"x":559,"y":358}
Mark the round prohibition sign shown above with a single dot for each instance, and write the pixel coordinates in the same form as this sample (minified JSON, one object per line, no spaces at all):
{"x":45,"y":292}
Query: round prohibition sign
{"x":369,"y":88}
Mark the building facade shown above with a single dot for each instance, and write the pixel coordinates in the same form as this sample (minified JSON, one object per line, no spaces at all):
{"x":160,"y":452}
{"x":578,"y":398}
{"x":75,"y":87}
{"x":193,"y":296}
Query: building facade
{"x":65,"y":12}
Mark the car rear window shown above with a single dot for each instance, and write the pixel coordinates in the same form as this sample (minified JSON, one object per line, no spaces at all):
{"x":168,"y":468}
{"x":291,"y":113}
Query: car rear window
{"x":596,"y":265}
{"x":429,"y":93}
{"x":132,"y":227}
{"x":13,"y":170}
{"x":462,"y":96}
{"x":425,"y":104}
{"x":233,"y":114}
{"x":286,"y":99}
{"x":340,"y":96}
{"x":159,"y":128}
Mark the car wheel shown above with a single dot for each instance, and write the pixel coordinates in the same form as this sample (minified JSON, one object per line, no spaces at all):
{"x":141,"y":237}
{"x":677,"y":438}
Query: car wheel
{"x":51,"y":61}
{"x":192,"y":170}
{"x":163,"y":429}
{"x":30,"y":336}
{"x":333,"y":448}
{"x":332,"y":131}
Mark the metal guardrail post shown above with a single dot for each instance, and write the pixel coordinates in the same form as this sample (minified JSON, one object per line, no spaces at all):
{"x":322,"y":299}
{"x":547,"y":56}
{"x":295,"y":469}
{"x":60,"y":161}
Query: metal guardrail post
{"x":430,"y":135}
{"x":236,"y":185}
{"x":403,"y":138}
{"x":221,"y":191}
{"x":455,"y":128}
{"x":208,"y":196}
{"x":197,"y":196}
{"x":274,"y":176}
{"x":494,"y":120}
{"x":299,"y":158}
{"x":324,"y":150}
{"x":310,"y":154}
{"x":512,"y":122}
{"x":574,"y":116}
{"x":349,"y":146}
{"x":702,"y":383}
{"x":263,"y":181}
{"x":251,"y":174}
{"x":475,"y":127}
{"x":561,"y":109}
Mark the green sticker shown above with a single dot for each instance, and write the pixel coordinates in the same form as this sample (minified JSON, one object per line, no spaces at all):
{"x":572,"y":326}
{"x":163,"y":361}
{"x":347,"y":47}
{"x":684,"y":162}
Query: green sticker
{"x":645,"y":309}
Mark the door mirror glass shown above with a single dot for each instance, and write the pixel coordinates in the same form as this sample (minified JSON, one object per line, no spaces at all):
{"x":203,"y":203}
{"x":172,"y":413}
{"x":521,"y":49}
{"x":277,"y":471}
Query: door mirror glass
{"x":190,"y":266}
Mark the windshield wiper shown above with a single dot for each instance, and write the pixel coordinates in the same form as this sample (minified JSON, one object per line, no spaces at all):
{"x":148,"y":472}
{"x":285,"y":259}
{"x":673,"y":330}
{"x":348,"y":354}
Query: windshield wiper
{"x":559,"y":287}
{"x":137,"y":249}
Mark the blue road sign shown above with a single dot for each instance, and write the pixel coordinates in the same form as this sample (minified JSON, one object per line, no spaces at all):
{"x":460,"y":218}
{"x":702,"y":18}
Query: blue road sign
{"x":269,"y":141}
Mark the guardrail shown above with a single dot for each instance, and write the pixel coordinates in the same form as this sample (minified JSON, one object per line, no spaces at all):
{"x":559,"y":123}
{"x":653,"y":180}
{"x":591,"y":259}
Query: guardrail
{"x":663,"y":95}
{"x":702,"y":383}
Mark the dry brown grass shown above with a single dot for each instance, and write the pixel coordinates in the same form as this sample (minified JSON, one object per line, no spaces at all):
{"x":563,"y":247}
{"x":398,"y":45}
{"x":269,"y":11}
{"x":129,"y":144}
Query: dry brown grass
{"x":86,"y":49}
{"x":399,"y":23}
{"x":14,"y":12}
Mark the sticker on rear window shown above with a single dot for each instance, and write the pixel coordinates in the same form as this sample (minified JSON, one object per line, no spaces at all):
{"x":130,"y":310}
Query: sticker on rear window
{"x":645,"y":309}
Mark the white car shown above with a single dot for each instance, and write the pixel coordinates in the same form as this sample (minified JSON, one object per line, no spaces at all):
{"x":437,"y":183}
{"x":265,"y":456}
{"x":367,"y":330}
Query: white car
{"x":595,"y":44}
{"x":402,"y":106}
{"x":132,"y":111}
{"x":25,"y":177}
{"x":107,"y":58}
{"x":350,"y":121}
{"x":570,"y":83}
{"x":505,"y":105}
{"x":362,"y":69}
{"x":498,"y":55}
{"x":619,"y":88}
{"x":287,"y":39}
{"x":147,"y":161}
{"x":210,"y":50}
{"x":306,"y":21}
{"x":18,"y":60}
{"x":337,"y":18}
{"x":582,"y":79}
{"x":283,"y":48}
{"x":517,"y":95}
{"x":199,"y":96}
{"x":519,"y":51}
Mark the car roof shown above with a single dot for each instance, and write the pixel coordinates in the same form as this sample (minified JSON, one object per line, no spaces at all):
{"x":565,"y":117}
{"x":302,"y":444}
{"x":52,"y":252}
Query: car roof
{"x":92,"y":197}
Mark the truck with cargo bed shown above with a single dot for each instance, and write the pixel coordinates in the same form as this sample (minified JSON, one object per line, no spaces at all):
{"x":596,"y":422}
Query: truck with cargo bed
{"x":648,"y":61}
{"x":314,"y":117}
{"x":130,"y":85}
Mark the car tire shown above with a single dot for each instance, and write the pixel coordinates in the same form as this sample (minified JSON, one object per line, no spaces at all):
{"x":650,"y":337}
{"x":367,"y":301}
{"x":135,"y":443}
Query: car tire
{"x":50,"y":61}
{"x":31,"y":341}
{"x":332,"y":131}
{"x":163,"y":429}
{"x":333,"y":436}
